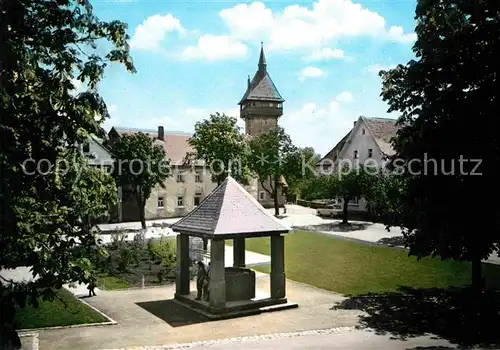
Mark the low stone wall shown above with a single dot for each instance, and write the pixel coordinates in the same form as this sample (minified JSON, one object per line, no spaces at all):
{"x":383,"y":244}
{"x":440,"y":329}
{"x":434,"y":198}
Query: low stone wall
{"x":313,"y":204}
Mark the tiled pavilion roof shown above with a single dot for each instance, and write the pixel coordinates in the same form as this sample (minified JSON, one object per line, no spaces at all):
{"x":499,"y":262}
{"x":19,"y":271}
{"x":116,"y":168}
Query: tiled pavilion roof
{"x":230,"y":212}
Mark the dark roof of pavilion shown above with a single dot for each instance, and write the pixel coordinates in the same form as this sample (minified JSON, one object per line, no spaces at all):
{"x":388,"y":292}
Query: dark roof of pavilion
{"x":229,"y":212}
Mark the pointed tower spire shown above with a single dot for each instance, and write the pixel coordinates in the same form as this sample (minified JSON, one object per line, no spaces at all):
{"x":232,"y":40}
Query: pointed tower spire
{"x":262,"y":59}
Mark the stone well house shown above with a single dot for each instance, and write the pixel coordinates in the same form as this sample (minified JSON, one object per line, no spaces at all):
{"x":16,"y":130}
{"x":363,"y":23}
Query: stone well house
{"x":367,"y":143}
{"x":189,"y":183}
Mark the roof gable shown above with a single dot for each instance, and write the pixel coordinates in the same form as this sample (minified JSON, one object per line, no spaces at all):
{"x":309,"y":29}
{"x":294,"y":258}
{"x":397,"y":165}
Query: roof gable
{"x":335,"y":151}
{"x":382,"y":130}
{"x":230,"y":211}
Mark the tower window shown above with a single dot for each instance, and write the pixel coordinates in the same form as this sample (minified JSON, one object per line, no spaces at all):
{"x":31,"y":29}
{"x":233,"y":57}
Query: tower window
{"x":355,"y":154}
{"x":370,"y":152}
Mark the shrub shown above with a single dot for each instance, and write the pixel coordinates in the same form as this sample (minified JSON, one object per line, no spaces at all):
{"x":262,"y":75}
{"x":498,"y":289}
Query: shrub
{"x":164,"y":251}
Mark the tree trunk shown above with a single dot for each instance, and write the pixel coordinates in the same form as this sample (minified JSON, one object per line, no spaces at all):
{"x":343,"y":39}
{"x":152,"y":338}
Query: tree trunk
{"x":477,"y":275}
{"x":276,"y":202}
{"x":142,"y":215}
{"x":345,"y":206}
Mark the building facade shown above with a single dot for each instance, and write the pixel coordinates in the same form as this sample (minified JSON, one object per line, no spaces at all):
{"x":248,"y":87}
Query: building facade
{"x":189,"y":183}
{"x":368,"y":143}
{"x":260,"y":107}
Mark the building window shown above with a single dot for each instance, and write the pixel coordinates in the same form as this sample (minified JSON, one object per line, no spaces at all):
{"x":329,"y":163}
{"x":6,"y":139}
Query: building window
{"x":86,"y":147}
{"x":362,"y":131}
{"x":197,"y":201}
{"x":197,"y":177}
{"x":180,"y":177}
{"x":370,"y":153}
{"x":262,"y":195}
{"x":161,"y":202}
{"x":355,"y":154}
{"x":180,"y":201}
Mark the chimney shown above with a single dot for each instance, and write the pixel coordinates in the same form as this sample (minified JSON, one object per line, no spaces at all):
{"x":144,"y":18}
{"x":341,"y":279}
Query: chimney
{"x":161,"y":133}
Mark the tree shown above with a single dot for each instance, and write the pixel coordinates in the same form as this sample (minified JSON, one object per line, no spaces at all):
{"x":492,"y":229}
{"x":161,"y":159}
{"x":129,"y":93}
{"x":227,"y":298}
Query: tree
{"x":139,"y":166}
{"x":299,"y":182}
{"x":219,"y":143}
{"x":383,"y":196}
{"x":346,"y":184}
{"x":448,"y":104}
{"x":44,"y":45}
{"x":272,"y":156}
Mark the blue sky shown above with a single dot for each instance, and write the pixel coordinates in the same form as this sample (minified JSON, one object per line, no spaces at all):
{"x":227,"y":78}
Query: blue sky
{"x":193,"y":58}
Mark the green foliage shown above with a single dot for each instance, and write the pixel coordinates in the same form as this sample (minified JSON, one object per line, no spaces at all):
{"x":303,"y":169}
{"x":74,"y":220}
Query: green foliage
{"x":139,"y":166}
{"x":345,"y":185}
{"x":312,"y":189}
{"x":273,"y":155}
{"x":448,"y":104}
{"x":299,"y":182}
{"x":46,"y":44}
{"x":219,"y":143}
{"x":164,"y":250}
{"x":384,"y":197}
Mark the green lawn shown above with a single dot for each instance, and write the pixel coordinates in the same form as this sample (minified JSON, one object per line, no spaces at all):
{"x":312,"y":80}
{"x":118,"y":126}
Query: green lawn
{"x":355,"y":268}
{"x":53,"y":313}
{"x":107,"y":282}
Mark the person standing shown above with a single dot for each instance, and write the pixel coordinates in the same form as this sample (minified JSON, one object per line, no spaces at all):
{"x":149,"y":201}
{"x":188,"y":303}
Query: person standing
{"x":91,"y":286}
{"x":200,"y":279}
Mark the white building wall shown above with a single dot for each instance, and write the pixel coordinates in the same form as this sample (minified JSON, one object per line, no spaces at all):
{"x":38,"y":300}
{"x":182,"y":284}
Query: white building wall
{"x":361,"y":143}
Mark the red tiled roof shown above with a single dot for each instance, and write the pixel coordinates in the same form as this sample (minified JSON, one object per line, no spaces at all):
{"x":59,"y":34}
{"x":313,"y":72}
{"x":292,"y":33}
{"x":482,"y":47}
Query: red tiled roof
{"x":176,"y":143}
{"x":230,"y":211}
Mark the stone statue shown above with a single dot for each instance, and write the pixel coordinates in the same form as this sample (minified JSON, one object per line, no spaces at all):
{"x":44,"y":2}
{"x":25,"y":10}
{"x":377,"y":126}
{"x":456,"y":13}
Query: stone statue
{"x":200,"y":279}
{"x":206,"y":284}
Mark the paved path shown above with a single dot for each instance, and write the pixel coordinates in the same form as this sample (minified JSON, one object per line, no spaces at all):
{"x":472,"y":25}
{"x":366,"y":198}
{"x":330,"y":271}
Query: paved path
{"x":318,"y":340}
{"x":138,"y":327}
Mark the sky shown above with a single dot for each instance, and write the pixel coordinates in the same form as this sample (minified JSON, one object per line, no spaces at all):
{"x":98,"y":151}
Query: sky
{"x":193,"y":58}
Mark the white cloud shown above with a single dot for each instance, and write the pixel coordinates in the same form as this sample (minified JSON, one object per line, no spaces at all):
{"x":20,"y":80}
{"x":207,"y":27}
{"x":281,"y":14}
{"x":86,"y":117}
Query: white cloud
{"x":376,"y":68}
{"x":328,"y":123}
{"x":397,"y":34}
{"x":185,"y":119}
{"x":153,"y":31}
{"x":344,"y":97}
{"x":310,"y":72}
{"x":325,"y":54}
{"x":214,"y":48}
{"x":301,"y":27}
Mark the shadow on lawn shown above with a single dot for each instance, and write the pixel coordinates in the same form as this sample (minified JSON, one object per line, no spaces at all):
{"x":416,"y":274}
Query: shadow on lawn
{"x":453,"y":314}
{"x":337,"y":227}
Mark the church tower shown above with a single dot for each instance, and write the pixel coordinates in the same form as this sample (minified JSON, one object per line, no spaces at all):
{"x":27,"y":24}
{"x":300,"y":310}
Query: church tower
{"x":260,"y":108}
{"x":262,"y":104}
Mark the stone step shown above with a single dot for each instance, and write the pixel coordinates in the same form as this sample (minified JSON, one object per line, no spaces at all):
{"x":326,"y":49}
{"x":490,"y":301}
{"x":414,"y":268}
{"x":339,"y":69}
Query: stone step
{"x":279,"y":307}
